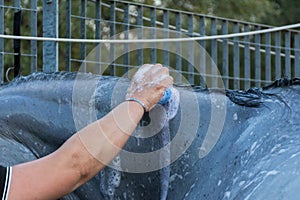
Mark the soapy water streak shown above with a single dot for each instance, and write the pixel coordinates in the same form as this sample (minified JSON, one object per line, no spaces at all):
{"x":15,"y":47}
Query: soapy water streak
{"x":171,"y":108}
{"x":110,"y":179}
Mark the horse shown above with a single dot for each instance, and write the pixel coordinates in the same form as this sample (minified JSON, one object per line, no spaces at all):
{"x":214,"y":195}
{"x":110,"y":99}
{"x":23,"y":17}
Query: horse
{"x":232,"y":144}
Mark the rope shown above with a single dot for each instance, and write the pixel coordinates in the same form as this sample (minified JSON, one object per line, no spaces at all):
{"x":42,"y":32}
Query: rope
{"x":152,"y":40}
{"x":7,"y":73}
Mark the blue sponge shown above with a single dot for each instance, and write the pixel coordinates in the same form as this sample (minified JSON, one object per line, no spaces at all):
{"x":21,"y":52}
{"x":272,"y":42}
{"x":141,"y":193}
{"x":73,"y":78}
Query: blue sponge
{"x":166,"y":97}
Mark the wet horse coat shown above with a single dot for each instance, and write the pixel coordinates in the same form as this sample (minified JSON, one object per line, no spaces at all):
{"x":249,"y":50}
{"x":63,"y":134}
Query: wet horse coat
{"x":257,"y":155}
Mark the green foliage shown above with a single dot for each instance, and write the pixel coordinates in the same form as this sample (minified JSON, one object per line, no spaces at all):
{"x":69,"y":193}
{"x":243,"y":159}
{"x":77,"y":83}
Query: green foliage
{"x":247,"y":10}
{"x":283,"y":12}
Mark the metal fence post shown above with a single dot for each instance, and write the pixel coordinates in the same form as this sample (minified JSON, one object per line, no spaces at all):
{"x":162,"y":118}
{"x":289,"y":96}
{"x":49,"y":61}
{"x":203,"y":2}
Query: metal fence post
{"x":126,"y":36}
{"x":268,"y":57}
{"x":166,"y":35}
{"x":140,"y":34}
{"x":50,"y":29}
{"x":247,"y":71}
{"x":83,"y":35}
{"x":98,"y":35}
{"x":68,"y":35}
{"x":278,"y":55}
{"x":153,"y":33}
{"x":112,"y":35}
{"x":33,"y":33}
{"x":236,"y":57}
{"x":178,"y":48}
{"x":17,"y":42}
{"x":202,"y":56}
{"x":214,"y":53}
{"x":297,"y":55}
{"x":287,"y":46}
{"x":225,"y":54}
{"x":191,"y":53}
{"x":1,"y":42}
{"x":257,"y":58}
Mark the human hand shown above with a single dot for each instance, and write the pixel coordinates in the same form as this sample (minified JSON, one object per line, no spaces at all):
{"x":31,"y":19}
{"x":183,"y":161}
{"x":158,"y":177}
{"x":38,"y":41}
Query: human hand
{"x":149,"y":83}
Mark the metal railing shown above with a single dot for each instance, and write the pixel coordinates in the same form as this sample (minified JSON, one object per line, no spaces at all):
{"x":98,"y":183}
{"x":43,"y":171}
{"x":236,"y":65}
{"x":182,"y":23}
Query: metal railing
{"x":243,"y":61}
{"x":11,"y":15}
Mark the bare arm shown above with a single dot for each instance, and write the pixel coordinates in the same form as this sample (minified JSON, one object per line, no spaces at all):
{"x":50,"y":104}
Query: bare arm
{"x":74,"y":162}
{"x":71,"y":165}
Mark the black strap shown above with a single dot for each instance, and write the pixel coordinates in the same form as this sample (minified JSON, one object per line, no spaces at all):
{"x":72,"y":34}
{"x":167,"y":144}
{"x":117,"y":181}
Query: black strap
{"x":145,"y":121}
{"x":3,"y":171}
{"x":17,"y":42}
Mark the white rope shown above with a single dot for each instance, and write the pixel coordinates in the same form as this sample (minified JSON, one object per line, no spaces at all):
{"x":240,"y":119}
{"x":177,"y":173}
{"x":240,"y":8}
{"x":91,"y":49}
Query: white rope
{"x":151,"y":40}
{"x":7,"y":73}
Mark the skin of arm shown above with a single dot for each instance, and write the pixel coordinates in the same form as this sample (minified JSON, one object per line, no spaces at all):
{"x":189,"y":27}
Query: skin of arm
{"x":64,"y":170}
{"x":71,"y":165}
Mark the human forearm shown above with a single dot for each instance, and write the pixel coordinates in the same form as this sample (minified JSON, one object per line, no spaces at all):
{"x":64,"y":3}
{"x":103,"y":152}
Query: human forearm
{"x":104,"y":138}
{"x":97,"y":144}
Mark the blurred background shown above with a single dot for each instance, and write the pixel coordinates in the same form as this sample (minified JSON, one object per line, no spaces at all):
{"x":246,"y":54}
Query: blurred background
{"x":95,"y":19}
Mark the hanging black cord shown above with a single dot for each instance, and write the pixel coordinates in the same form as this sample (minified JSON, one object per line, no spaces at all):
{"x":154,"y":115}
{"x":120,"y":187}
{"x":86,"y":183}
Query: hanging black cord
{"x":17,"y":43}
